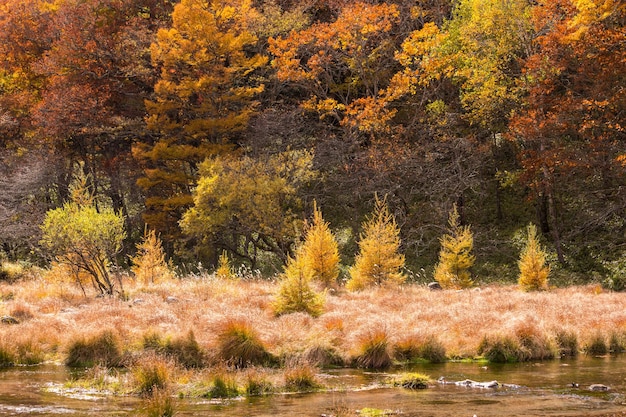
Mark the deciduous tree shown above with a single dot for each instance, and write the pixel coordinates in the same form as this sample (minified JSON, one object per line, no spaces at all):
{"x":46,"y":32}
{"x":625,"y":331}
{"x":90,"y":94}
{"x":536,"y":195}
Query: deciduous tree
{"x":203,"y":100}
{"x":379,"y":261}
{"x":455,"y":257}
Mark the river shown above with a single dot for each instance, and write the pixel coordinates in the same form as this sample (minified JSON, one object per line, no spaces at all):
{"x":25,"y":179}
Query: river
{"x":527,"y":389}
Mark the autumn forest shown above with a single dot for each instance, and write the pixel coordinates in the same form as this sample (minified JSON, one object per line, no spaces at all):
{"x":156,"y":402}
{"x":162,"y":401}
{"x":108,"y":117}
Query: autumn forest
{"x":224,"y":125}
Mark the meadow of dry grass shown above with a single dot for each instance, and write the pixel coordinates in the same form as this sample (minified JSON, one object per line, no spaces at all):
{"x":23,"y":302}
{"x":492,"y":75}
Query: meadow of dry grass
{"x":53,"y":315}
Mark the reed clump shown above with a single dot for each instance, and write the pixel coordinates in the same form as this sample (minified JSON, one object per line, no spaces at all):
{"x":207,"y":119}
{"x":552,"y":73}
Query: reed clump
{"x":184,"y":350}
{"x":596,"y":345}
{"x":151,"y":373}
{"x":240,"y":345}
{"x":158,"y":404}
{"x":374,"y":351}
{"x":417,"y":348}
{"x":100,"y":349}
{"x":256,"y":382}
{"x":224,"y":385}
{"x":301,"y":377}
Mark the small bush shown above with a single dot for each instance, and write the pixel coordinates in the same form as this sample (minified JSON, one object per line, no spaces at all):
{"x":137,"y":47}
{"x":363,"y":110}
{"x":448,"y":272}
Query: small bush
{"x":616,"y":342}
{"x":500,"y":349}
{"x":301,"y":378}
{"x":374,"y":351}
{"x":411,"y":381}
{"x":11,"y":271}
{"x":241,"y":346}
{"x":151,"y":373}
{"x":29,"y":353}
{"x":102,"y":349}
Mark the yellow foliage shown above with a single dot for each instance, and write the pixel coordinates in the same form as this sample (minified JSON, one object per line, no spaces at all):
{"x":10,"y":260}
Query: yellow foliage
{"x":295,"y":292}
{"x":455,"y":258}
{"x":149,"y":264}
{"x":532,"y":264}
{"x":320,"y":251}
{"x":378,"y":261}
{"x":224,"y":269}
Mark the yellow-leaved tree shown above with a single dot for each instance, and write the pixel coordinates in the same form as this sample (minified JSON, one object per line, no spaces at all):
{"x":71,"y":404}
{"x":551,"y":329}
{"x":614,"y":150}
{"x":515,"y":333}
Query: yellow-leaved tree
{"x":379,"y":260}
{"x":295,"y":293}
{"x":320,"y":250}
{"x":532,"y":264}
{"x":224,"y":269}
{"x":149,"y":265}
{"x":455,"y":256}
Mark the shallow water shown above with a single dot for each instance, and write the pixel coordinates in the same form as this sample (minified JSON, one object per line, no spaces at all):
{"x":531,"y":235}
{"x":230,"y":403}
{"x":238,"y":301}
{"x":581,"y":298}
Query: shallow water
{"x":530,"y":389}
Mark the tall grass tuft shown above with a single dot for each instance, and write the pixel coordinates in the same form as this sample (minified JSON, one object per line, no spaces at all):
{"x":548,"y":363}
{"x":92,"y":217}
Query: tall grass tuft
{"x":184,"y":350}
{"x":101,"y":349}
{"x":567,"y":343}
{"x":151,"y":373}
{"x":300,"y":377}
{"x":534,"y":345}
{"x":374,"y":351}
{"x":256,"y":383}
{"x":240,"y":345}
{"x":159,"y":404}
{"x":7,"y":356}
{"x":224,"y":386}
{"x":500,"y":349}
{"x":596,"y":346}
{"x":415,"y":348}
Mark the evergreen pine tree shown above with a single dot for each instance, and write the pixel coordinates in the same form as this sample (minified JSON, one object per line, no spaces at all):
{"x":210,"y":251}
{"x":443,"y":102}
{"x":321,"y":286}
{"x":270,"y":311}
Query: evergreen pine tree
{"x":320,"y":250}
{"x":455,"y":258}
{"x":378,"y":261}
{"x":532,"y":264}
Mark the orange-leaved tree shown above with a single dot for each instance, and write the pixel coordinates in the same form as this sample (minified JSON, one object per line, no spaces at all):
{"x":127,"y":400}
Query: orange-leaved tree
{"x":202,"y":102}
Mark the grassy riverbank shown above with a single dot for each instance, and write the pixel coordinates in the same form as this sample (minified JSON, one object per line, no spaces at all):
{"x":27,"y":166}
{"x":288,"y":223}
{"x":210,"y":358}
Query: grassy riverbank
{"x":205,"y":333}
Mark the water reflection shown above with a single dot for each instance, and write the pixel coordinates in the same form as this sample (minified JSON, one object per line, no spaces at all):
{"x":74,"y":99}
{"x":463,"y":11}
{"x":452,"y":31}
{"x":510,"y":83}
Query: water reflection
{"x":530,"y":389}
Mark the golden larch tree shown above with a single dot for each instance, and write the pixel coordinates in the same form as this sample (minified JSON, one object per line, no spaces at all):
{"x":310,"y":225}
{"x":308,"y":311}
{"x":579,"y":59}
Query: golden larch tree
{"x":295,"y":293}
{"x":532,"y":264}
{"x":455,"y":256}
{"x":320,"y":250}
{"x":149,"y":265}
{"x":379,"y":261}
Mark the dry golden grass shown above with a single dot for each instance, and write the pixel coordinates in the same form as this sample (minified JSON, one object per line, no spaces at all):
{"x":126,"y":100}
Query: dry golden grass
{"x":56,"y":313}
